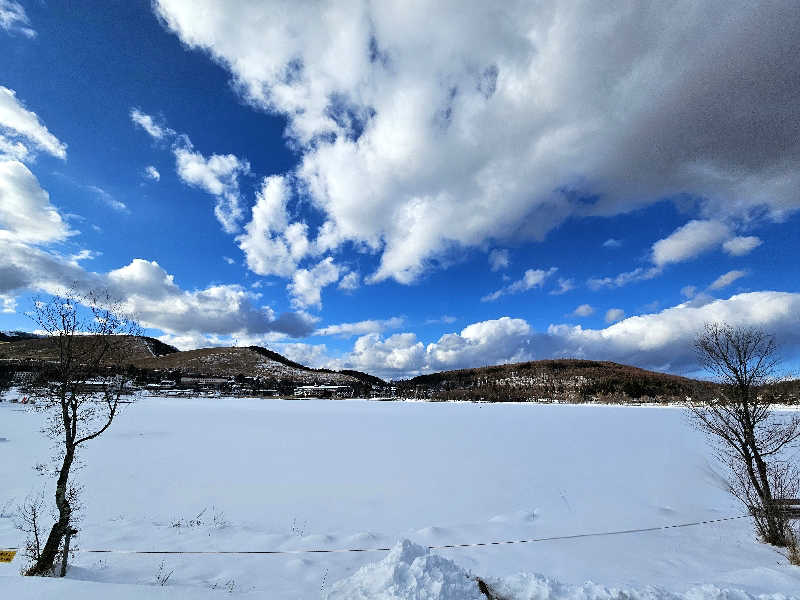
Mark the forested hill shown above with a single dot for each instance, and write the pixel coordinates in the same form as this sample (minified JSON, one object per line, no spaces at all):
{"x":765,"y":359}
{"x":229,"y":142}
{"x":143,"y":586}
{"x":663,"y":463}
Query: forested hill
{"x":566,"y":380}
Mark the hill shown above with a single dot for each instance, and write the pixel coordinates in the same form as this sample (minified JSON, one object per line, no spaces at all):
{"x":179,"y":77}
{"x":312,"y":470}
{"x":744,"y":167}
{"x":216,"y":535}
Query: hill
{"x":149,"y":354}
{"x":125,"y":348}
{"x":251,"y":361}
{"x":564,"y":380}
{"x":568,"y":380}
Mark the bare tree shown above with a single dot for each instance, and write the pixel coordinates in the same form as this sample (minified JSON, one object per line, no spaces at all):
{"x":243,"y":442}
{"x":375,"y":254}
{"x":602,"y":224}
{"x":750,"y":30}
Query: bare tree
{"x":747,"y":434}
{"x":29,"y":521}
{"x":83,"y":395}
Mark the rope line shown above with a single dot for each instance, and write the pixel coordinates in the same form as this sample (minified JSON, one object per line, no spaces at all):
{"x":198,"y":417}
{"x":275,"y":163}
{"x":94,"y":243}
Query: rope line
{"x":441,"y":547}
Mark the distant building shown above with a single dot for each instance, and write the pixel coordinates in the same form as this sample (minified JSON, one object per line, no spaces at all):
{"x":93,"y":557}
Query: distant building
{"x":324,"y":391}
{"x":205,"y":382}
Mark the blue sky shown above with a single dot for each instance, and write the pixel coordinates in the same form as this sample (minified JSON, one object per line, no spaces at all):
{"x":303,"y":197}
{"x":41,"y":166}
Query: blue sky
{"x":401,"y":191}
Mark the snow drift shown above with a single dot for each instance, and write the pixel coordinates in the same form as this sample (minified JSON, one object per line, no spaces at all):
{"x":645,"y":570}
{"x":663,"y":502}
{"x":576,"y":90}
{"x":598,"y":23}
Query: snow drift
{"x":411,"y":572}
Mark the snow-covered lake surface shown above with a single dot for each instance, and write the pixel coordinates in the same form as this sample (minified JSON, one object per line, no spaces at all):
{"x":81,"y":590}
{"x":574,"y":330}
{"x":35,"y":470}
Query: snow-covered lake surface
{"x":316,"y":474}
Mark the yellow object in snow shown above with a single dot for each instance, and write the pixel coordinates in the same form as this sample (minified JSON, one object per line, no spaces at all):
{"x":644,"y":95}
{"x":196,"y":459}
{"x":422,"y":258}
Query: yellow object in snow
{"x":7,"y":555}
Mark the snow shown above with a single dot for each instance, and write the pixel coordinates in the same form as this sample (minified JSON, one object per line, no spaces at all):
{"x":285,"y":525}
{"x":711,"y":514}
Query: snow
{"x":295,"y":475}
{"x":408,"y":572}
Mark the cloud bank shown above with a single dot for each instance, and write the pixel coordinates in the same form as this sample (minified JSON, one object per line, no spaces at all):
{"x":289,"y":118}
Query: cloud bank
{"x":415,"y":140}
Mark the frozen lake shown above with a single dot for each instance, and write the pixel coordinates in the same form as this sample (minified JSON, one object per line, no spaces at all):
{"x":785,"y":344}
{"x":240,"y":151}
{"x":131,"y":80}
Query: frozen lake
{"x":275,"y":474}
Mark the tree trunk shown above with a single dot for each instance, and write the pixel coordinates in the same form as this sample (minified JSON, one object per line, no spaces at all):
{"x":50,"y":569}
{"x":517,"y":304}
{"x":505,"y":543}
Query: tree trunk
{"x":775,"y":533}
{"x":46,"y":562}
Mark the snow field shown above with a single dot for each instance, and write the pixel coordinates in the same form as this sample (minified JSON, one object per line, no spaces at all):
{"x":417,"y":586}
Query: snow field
{"x":292,"y":475}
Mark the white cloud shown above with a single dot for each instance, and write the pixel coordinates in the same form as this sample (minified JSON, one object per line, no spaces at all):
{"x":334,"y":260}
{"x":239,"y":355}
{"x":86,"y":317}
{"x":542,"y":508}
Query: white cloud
{"x":415,"y":140}
{"x":689,"y":291}
{"x":584,"y":310}
{"x":8,"y":304}
{"x":739,"y":246}
{"x":484,"y":343}
{"x":401,"y":353}
{"x":661,"y":341}
{"x":361,"y":327}
{"x":638,"y":274}
{"x":229,"y":260}
{"x":688,"y":241}
{"x":26,"y":214}
{"x":152,"y":173}
{"x":350,"y":282}
{"x":726,"y":279}
{"x":612,"y":243}
{"x":269,"y":245}
{"x":150,"y":293}
{"x":564,"y":286}
{"x":13,"y":18}
{"x":499,"y":259}
{"x":685,"y":243}
{"x":664,"y":340}
{"x":219,"y":176}
{"x":306,"y":285}
{"x":21,"y":129}
{"x":108,"y":199}
{"x":531,"y":279}
{"x":310,"y":355}
{"x":156,"y":130}
{"x":447,"y":319}
{"x":614,"y":314}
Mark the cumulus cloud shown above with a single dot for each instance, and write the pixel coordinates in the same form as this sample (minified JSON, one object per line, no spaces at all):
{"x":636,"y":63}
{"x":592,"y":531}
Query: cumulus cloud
{"x":306,"y":285}
{"x":661,"y":340}
{"x":414,"y":139}
{"x":499,"y":259}
{"x":739,"y":246}
{"x":664,"y":340}
{"x":152,"y":173}
{"x":149,"y":293}
{"x":614,"y":314}
{"x":401,"y":353}
{"x":531,"y":279}
{"x":21,"y":131}
{"x":270,"y":245}
{"x":726,"y":279}
{"x":612,"y":243}
{"x":13,"y":18}
{"x":584,"y":310}
{"x":26,"y":214}
{"x":361,"y":327}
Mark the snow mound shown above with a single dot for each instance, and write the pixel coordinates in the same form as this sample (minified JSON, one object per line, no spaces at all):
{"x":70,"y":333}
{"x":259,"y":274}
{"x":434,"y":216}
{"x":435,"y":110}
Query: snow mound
{"x":408,"y":573}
